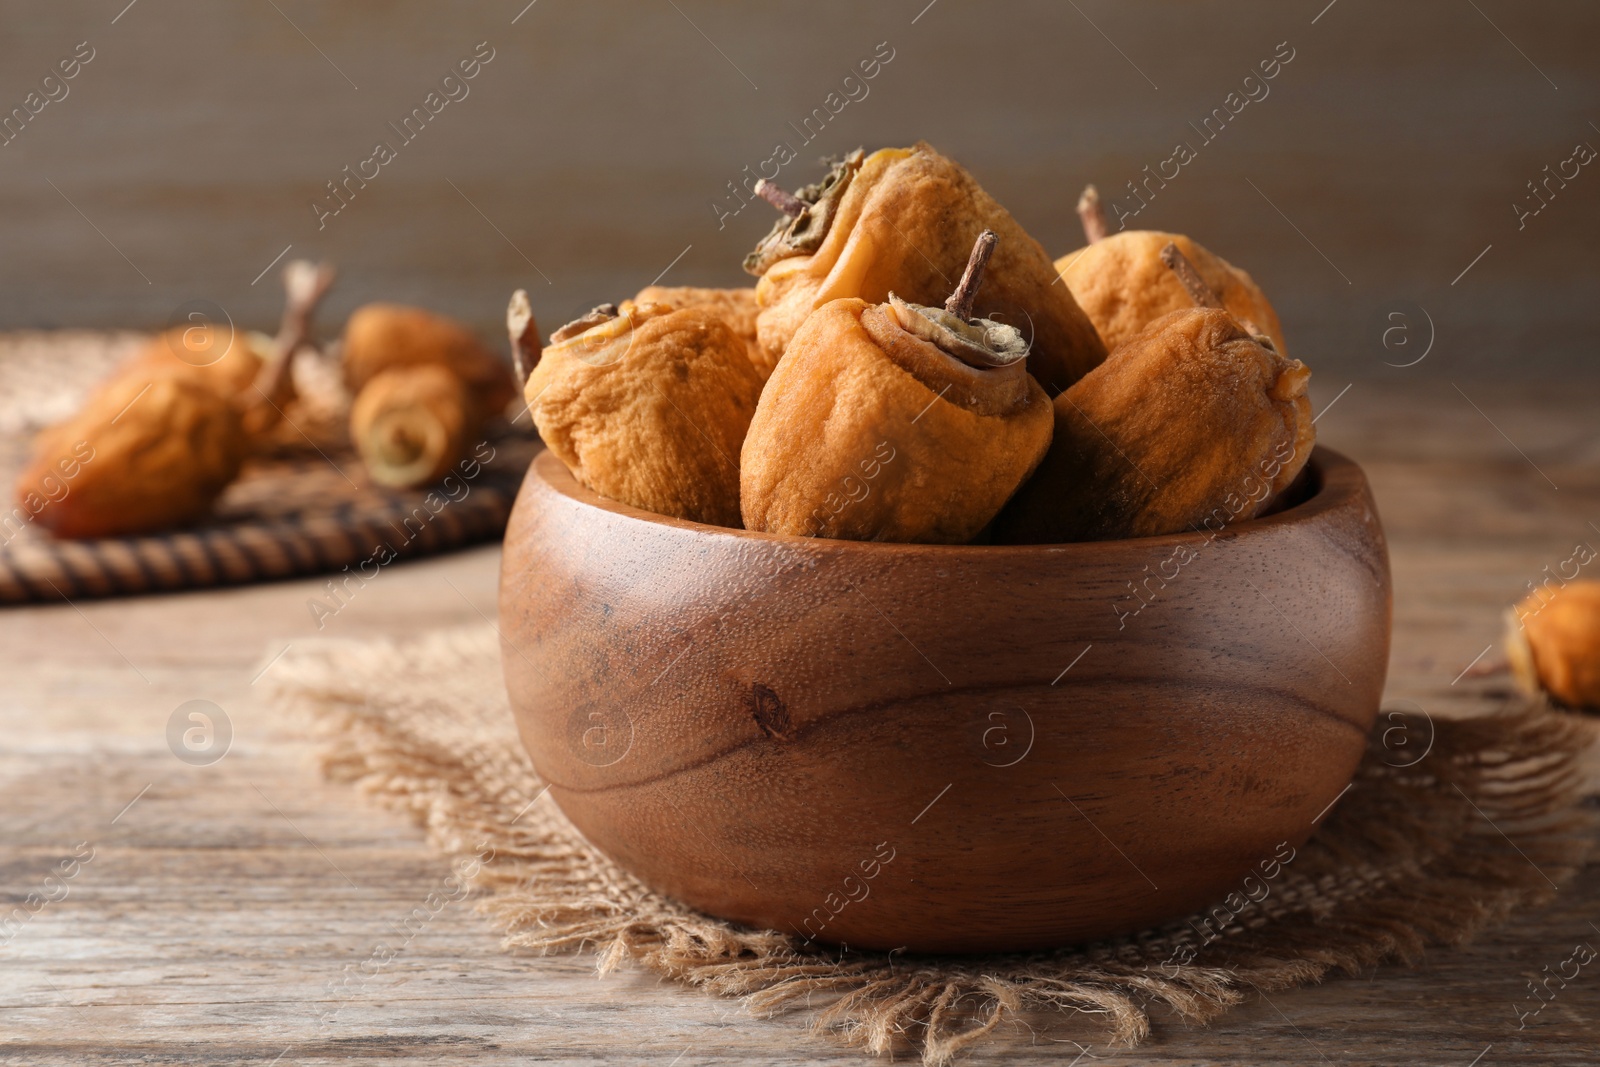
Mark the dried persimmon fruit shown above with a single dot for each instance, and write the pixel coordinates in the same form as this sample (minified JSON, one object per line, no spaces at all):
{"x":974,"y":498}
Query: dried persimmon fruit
{"x":250,"y":370}
{"x":411,"y":424}
{"x":648,"y":405}
{"x":157,"y":442}
{"x":225,"y":360}
{"x":735,"y":307}
{"x":904,"y":219}
{"x":1121,"y":283}
{"x":1192,"y":424}
{"x":894,"y":422}
{"x":1553,"y":643}
{"x":380,"y":336}
{"x":160,"y":451}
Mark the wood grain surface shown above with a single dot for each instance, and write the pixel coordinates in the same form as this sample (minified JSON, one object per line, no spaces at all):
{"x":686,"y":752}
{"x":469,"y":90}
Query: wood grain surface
{"x":219,"y":911}
{"x":755,"y":724}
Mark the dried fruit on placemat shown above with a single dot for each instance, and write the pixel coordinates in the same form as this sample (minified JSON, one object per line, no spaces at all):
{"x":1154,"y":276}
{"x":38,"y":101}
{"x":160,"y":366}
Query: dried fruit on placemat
{"x":160,"y":439}
{"x":1553,"y":643}
{"x":649,"y":405}
{"x":380,"y":336}
{"x":1192,"y":424}
{"x":223,"y":359}
{"x":411,"y":424}
{"x":735,"y":307}
{"x":1122,"y":285}
{"x":904,"y":219}
{"x":149,"y":455}
{"x":232,"y":364}
{"x":251,"y":370}
{"x":894,"y":422}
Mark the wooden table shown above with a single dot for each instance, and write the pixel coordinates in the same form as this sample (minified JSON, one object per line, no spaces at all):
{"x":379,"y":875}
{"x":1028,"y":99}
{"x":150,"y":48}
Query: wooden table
{"x":221,"y":901}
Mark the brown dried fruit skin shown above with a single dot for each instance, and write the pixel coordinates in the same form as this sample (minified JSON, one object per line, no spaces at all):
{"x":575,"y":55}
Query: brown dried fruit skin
{"x":852,"y":438}
{"x":193,"y":352}
{"x":650,"y":408}
{"x":906,"y":223}
{"x":735,"y":307}
{"x":1553,"y":643}
{"x":380,"y":336}
{"x":161,"y":464}
{"x":1190,"y":425}
{"x":1123,"y":286}
{"x":411,"y":424}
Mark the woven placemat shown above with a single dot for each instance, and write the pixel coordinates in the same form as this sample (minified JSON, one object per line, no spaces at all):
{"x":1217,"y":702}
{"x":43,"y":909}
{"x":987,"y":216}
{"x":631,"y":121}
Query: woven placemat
{"x":306,"y":515}
{"x":309,"y":510}
{"x":46,"y":375}
{"x":1420,"y":850}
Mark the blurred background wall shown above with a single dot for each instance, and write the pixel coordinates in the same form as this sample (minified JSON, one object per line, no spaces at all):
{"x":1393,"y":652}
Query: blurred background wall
{"x":593,"y":151}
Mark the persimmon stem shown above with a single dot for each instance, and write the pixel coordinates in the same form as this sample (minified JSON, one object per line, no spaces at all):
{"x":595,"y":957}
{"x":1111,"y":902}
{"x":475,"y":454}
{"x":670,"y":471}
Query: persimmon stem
{"x":524,"y":334}
{"x":780,"y":198}
{"x":1201,"y":293}
{"x":1205,"y":296}
{"x":304,"y":284}
{"x":1093,"y":215}
{"x":966,"y":291}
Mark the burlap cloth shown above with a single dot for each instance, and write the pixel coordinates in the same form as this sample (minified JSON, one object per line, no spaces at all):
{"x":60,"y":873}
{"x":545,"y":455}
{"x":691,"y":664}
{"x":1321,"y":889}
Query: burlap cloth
{"x":1449,"y":825}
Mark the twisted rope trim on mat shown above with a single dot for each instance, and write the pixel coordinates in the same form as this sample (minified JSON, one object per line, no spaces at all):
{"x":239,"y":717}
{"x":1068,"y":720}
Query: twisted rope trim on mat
{"x":1409,"y":857}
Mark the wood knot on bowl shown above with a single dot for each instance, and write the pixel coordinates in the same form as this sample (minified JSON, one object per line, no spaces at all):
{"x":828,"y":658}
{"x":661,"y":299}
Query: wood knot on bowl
{"x":768,"y":711}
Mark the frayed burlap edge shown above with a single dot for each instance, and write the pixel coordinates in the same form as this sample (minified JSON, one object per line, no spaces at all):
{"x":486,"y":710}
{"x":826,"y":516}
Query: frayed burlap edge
{"x":1486,"y":821}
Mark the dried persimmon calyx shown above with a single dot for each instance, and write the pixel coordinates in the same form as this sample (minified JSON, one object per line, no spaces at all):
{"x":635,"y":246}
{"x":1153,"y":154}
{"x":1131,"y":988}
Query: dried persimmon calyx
{"x":602,"y":313}
{"x":976,"y":342}
{"x":808,"y":215}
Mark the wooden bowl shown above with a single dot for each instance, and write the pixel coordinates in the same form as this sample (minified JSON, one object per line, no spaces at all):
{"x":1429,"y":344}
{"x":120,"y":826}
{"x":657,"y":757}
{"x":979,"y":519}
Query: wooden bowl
{"x":948,"y":748}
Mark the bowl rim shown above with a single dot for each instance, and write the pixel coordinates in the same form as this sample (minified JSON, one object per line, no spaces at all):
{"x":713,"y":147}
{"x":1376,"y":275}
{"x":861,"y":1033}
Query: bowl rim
{"x":1338,"y":482}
